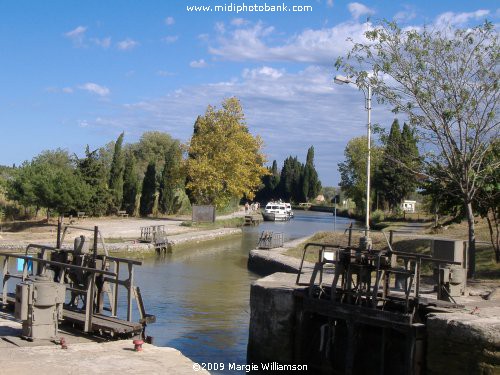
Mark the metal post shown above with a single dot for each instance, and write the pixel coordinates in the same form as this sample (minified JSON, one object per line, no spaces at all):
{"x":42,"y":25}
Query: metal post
{"x":5,"y":279}
{"x":130,"y":285}
{"x":115,"y":289}
{"x":335,"y":218}
{"x":58,"y":245}
{"x":89,"y":303}
{"x":94,"y":255}
{"x":368,"y":108}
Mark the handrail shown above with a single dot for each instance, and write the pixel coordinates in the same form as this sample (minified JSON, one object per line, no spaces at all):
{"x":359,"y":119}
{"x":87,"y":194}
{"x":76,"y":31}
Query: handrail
{"x":95,"y":230}
{"x":60,"y":264}
{"x":322,"y":247}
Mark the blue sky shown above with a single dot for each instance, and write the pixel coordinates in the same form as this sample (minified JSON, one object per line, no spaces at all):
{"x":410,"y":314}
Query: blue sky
{"x":80,"y":72}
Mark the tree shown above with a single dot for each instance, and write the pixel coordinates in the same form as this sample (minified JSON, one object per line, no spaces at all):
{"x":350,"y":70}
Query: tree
{"x":148,"y":194}
{"x":353,"y":170}
{"x":447,"y":83}
{"x":93,"y":170}
{"x":388,"y":179}
{"x":170,"y":179}
{"x":152,"y":147}
{"x":20,"y":187}
{"x":487,"y":200}
{"x":270,"y":183}
{"x":291,"y":180}
{"x":411,"y":161}
{"x":225,"y":160}
{"x":116,"y":173}
{"x":396,"y":177}
{"x":312,"y":184}
{"x":131,"y":185}
{"x":50,"y":181}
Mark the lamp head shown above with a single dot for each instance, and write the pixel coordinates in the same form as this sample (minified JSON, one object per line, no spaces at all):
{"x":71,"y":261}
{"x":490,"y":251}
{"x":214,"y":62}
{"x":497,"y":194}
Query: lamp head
{"x":341,"y":80}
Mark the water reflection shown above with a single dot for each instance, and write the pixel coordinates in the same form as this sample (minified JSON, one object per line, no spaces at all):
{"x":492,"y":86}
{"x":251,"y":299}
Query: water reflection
{"x":200,"y":295}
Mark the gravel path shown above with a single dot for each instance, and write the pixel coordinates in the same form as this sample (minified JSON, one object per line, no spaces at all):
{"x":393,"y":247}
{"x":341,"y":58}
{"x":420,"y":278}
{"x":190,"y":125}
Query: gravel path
{"x":123,"y":232}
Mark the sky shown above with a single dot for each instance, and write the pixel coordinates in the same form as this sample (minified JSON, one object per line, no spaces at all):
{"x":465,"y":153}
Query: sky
{"x":77,"y":73}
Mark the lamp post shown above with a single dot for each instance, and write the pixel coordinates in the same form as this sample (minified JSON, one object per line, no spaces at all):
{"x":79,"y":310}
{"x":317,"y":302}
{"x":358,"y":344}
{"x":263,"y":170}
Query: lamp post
{"x":341,"y":80}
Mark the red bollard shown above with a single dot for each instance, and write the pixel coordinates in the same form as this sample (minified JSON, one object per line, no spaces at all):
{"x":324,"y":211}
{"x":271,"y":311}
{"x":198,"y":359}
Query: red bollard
{"x":138,"y":345}
{"x":62,"y":341}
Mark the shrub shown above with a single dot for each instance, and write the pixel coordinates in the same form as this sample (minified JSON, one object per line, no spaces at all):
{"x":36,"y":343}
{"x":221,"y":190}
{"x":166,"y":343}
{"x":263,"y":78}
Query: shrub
{"x":377,"y":216}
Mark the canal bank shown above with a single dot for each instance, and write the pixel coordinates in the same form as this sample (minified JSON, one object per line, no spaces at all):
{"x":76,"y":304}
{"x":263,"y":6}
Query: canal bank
{"x":174,"y":240}
{"x":290,"y":328}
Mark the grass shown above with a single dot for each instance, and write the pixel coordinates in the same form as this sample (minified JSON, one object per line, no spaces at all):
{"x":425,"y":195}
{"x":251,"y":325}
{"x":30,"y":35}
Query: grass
{"x":235,"y":222}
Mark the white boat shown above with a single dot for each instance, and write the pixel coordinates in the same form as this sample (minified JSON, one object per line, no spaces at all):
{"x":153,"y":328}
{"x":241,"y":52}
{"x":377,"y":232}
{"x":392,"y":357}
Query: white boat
{"x":289,"y":211}
{"x":275,"y":211}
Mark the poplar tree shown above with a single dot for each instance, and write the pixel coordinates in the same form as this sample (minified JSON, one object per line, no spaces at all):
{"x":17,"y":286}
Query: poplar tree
{"x":148,"y":193}
{"x":116,"y":173}
{"x":389,"y":178}
{"x":311,"y":182}
{"x":170,"y":179}
{"x":130,"y":185}
{"x":270,"y":182}
{"x":411,"y":161}
{"x":291,"y":180}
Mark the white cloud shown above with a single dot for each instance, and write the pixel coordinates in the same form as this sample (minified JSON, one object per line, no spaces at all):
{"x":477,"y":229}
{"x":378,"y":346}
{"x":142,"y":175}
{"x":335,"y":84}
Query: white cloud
{"x":265,"y":71}
{"x":198,"y":64}
{"x":77,"y":35}
{"x":169,"y":21}
{"x":329,"y":3}
{"x":460,"y":19}
{"x":405,"y":15}
{"x":104,"y":42}
{"x":127,"y":44}
{"x":239,"y":22}
{"x":291,"y":111}
{"x":357,"y":10}
{"x":94,"y":88}
{"x":56,"y":90}
{"x":170,"y":39}
{"x":220,"y":28}
{"x":315,"y":46}
{"x":165,"y":73}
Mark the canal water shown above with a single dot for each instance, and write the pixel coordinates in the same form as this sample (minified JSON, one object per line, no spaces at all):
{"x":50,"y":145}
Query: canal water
{"x":200,"y":295}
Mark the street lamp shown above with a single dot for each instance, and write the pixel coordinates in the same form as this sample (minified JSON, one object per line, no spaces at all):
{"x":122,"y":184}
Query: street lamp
{"x":341,"y":80}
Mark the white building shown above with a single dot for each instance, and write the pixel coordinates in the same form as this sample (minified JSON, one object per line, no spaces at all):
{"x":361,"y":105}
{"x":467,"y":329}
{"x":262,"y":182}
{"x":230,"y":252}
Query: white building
{"x":408,"y":206}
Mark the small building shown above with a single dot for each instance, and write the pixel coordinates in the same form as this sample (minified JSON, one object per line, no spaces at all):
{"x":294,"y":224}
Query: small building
{"x":320,"y":198}
{"x":408,"y":206}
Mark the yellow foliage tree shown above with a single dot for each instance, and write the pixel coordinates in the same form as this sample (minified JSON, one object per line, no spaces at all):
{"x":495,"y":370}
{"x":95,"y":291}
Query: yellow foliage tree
{"x":225,"y":160}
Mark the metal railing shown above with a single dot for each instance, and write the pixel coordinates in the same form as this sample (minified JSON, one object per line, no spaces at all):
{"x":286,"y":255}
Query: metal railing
{"x":363,"y":277}
{"x":88,"y":275}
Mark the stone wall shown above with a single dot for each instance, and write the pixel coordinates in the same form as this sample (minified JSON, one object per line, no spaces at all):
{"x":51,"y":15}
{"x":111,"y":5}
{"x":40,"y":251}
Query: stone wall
{"x":459,"y":343}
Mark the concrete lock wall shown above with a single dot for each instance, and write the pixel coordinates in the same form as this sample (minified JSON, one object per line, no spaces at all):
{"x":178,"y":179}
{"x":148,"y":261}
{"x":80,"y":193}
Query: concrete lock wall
{"x":463,"y":344}
{"x":272,"y":314}
{"x":450,"y":343}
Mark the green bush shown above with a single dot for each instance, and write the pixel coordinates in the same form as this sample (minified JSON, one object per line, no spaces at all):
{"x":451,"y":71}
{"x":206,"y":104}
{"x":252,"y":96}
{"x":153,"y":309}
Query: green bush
{"x":377,"y":216}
